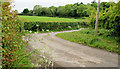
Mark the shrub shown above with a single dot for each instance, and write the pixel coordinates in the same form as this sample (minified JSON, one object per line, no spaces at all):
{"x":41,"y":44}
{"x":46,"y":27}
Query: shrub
{"x":13,"y":47}
{"x":108,"y":19}
{"x":54,"y":26}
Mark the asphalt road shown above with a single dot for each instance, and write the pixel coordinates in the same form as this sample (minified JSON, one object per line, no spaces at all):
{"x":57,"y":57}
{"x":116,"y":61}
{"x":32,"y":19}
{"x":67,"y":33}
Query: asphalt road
{"x":69,"y":54}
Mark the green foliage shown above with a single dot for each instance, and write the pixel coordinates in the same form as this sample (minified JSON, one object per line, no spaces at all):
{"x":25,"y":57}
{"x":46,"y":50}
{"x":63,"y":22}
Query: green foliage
{"x":25,"y":11}
{"x":36,"y":9}
{"x":85,"y":36}
{"x":13,"y":46}
{"x":69,"y":10}
{"x":108,"y":19}
{"x":53,"y":11}
{"x":53,"y":26}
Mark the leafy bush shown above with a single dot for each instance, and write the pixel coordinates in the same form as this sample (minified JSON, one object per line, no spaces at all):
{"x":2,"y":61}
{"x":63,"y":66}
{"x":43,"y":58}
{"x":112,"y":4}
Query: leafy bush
{"x":13,"y":47}
{"x":108,"y":19}
{"x":54,"y":26}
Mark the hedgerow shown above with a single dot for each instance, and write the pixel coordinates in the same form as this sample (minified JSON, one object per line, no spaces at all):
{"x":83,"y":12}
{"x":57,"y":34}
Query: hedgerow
{"x":16,"y":52}
{"x":53,"y":26}
{"x":108,"y":19}
{"x":13,"y":46}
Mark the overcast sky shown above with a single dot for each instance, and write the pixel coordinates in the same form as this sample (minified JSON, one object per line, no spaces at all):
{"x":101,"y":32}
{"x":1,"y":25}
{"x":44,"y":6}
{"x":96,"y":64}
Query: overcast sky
{"x":21,"y":4}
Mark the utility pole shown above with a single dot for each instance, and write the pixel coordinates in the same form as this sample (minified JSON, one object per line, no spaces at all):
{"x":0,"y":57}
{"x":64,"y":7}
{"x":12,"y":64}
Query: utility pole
{"x":97,"y":17}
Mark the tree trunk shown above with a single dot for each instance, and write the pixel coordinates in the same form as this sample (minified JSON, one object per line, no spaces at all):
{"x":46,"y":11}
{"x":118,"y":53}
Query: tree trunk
{"x":97,"y":17}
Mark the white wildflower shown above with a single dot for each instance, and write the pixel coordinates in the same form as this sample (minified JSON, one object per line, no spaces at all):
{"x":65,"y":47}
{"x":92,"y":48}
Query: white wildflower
{"x":43,"y":56}
{"x":30,"y":31}
{"x":69,"y":26}
{"x":42,"y":29}
{"x":37,"y":65}
{"x":47,"y":30}
{"x":37,"y":25}
{"x":46,"y":60}
{"x":52,"y":64}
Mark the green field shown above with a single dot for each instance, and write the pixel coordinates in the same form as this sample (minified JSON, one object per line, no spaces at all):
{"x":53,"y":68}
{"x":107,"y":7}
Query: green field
{"x":50,"y":19}
{"x":86,"y":37}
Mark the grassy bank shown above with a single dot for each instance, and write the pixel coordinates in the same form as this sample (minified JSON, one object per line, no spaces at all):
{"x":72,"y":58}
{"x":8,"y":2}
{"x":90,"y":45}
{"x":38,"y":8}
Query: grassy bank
{"x":50,"y":19}
{"x":86,"y":37}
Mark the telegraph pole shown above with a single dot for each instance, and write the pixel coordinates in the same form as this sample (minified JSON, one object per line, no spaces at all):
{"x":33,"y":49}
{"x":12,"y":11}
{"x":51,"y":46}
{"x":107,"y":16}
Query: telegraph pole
{"x":97,"y":17}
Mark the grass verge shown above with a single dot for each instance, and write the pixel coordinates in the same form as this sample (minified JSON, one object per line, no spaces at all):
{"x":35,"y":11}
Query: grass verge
{"x":104,"y":40}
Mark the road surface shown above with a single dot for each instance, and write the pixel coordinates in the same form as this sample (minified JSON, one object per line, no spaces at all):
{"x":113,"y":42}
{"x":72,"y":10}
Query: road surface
{"x":69,"y":54}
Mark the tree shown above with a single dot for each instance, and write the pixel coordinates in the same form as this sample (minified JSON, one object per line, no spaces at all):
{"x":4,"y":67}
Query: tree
{"x":69,"y":10}
{"x":53,"y":11}
{"x":94,"y":1}
{"x":81,"y":10}
{"x":44,"y":11}
{"x":94,"y":5}
{"x":25,"y":11}
{"x":97,"y":17}
{"x":81,"y":3}
{"x":30,"y":13}
{"x":61,"y":11}
{"x":36,"y":10}
{"x":89,"y":10}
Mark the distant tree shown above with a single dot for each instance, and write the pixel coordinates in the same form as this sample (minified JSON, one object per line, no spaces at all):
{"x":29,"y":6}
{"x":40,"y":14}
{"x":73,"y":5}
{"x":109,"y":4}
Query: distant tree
{"x":81,"y":10}
{"x":44,"y":11}
{"x":53,"y":11}
{"x":94,"y":1}
{"x":30,"y":13}
{"x":81,"y":3}
{"x":94,"y":5}
{"x":89,"y":10}
{"x":61,"y":11}
{"x":25,"y":11}
{"x":75,"y":10}
{"x":69,"y":10}
{"x":77,"y":4}
{"x":37,"y":10}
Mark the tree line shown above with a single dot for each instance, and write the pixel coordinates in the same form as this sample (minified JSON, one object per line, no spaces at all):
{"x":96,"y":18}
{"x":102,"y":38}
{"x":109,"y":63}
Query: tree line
{"x":109,"y":17}
{"x":69,"y":10}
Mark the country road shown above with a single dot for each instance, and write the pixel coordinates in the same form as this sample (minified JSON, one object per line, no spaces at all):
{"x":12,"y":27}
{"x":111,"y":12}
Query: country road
{"x":69,"y":54}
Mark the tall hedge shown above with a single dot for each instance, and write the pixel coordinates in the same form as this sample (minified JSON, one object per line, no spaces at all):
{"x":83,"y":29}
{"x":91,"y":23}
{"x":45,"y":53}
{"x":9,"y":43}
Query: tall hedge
{"x":13,"y":46}
{"x":54,"y":26}
{"x":108,"y":19}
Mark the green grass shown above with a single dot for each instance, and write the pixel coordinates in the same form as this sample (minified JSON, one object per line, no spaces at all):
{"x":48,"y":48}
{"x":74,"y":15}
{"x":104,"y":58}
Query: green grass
{"x":86,"y":37}
{"x":50,"y":19}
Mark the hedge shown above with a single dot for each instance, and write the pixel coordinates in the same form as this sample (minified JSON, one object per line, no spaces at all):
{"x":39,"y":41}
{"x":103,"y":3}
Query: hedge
{"x":109,"y":19}
{"x":53,"y":26}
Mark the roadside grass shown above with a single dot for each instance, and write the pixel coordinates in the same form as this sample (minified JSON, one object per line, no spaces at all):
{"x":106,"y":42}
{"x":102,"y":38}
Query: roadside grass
{"x":23,"y":58}
{"x":50,"y":19}
{"x":86,"y":37}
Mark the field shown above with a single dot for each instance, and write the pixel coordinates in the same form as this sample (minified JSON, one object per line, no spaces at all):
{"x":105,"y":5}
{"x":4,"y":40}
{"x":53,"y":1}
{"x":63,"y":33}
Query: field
{"x":50,"y":19}
{"x":103,"y":41}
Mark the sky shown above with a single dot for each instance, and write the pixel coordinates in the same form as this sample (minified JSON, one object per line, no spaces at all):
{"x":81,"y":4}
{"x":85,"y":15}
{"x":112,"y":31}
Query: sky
{"x":22,"y":4}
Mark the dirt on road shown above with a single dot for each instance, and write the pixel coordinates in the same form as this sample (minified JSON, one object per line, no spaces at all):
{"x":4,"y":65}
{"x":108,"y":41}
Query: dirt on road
{"x":69,"y":54}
